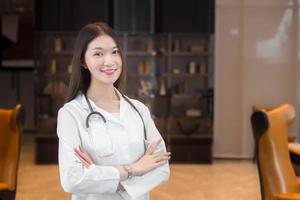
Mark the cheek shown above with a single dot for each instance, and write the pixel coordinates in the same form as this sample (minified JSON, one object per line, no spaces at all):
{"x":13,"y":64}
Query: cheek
{"x":119,"y":62}
{"x":93,"y":63}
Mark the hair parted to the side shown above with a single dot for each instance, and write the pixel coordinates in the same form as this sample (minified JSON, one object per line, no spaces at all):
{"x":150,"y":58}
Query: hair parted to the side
{"x":80,"y":77}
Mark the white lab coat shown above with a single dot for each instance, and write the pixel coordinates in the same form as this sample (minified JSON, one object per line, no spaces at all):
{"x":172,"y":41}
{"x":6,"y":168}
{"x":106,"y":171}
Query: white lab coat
{"x":118,"y":143}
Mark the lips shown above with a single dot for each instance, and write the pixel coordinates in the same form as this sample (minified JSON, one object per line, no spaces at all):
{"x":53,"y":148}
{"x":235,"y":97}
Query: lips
{"x":108,"y":72}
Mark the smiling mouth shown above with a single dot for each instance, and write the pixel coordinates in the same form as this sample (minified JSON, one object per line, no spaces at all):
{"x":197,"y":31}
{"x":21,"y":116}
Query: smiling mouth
{"x":108,"y":72}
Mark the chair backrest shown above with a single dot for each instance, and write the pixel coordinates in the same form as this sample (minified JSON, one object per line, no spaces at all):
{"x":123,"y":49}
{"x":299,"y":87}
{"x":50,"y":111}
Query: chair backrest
{"x":11,"y":125}
{"x":270,"y":129}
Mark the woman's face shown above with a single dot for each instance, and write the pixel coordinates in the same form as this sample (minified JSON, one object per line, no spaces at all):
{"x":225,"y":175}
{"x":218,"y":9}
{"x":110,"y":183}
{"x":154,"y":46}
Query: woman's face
{"x":103,"y":60}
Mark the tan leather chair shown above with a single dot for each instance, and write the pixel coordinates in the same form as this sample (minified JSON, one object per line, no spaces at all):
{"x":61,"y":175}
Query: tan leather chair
{"x":294,"y":148}
{"x":277,"y":176}
{"x":11,"y":124}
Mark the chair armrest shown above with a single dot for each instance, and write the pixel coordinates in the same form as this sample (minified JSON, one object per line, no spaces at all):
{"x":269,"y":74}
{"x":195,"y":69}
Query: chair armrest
{"x":288,"y":196}
{"x":3,"y":186}
{"x":291,"y":137}
{"x":294,"y":148}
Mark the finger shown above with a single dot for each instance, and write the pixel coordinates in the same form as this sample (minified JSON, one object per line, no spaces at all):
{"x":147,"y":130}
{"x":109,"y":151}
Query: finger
{"x":158,"y":164}
{"x":82,"y":150}
{"x":162,"y":154}
{"x":162,"y":158}
{"x":154,"y":143}
{"x":153,"y":146}
{"x":149,"y":148}
{"x":86,"y":155}
{"x":83,"y":156}
{"x":83,"y":162}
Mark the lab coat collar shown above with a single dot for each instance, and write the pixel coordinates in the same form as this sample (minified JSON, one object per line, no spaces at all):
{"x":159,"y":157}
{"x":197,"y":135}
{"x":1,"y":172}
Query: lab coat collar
{"x":108,"y":116}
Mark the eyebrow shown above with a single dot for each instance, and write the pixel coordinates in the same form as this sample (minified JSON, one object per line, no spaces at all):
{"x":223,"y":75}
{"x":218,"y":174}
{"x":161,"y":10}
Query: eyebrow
{"x":100,"y":48}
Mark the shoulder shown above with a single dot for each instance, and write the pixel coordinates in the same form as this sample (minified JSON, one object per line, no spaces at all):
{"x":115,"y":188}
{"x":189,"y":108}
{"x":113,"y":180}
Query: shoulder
{"x":139,"y":105}
{"x":72,"y":107}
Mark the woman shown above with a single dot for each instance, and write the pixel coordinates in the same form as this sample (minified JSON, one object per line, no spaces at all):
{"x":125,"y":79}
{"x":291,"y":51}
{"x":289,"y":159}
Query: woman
{"x":104,"y":135}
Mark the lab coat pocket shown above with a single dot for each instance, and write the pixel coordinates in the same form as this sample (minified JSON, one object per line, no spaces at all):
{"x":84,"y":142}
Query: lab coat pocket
{"x":100,"y":139}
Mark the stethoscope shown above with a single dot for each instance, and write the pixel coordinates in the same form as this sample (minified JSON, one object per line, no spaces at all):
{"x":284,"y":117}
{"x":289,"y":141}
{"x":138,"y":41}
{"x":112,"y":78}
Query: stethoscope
{"x":104,"y":120}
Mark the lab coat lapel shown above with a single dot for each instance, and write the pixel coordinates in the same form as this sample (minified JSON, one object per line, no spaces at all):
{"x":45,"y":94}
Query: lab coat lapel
{"x":124,"y":106}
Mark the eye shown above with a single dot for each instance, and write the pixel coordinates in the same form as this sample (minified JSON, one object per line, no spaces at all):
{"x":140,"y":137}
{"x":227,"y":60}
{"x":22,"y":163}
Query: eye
{"x":98,"y":54}
{"x":116,"y":52}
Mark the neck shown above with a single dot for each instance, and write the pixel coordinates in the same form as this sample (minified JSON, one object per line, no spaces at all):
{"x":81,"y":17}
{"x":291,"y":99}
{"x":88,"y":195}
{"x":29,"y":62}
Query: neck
{"x":102,"y":92}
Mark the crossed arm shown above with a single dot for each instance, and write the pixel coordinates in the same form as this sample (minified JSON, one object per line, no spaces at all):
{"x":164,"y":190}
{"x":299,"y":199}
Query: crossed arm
{"x":143,"y":165}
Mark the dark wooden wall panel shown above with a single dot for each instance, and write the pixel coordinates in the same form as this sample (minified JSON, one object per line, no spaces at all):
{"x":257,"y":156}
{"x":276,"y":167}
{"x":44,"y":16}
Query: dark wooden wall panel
{"x":184,"y":16}
{"x":70,"y":15}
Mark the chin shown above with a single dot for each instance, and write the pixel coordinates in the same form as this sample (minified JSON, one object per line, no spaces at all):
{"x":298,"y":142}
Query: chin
{"x":108,"y":81}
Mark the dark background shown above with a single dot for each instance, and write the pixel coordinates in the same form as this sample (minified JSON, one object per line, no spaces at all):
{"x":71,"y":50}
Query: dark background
{"x":127,"y":15}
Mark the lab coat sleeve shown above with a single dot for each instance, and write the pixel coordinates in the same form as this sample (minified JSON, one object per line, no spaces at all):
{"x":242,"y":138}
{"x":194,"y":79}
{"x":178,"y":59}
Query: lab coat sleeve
{"x":141,"y":185}
{"x":73,"y":176}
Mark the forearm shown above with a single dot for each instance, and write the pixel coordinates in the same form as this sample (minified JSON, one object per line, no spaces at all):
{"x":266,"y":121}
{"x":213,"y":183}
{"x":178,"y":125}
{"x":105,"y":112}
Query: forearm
{"x":140,"y":185}
{"x":75,"y":178}
{"x":95,"y":179}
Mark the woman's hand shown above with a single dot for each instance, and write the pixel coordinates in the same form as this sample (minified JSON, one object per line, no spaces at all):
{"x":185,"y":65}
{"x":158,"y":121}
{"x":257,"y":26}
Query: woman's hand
{"x":150,"y":160}
{"x":86,"y":161}
{"x":83,"y":157}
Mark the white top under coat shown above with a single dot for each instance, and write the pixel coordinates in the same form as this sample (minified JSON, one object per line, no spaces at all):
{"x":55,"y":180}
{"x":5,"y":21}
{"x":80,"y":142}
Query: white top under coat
{"x":119,"y":142}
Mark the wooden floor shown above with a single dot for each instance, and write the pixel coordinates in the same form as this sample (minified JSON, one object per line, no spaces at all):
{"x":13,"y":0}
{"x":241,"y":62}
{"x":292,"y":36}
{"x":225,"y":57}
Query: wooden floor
{"x":228,"y":180}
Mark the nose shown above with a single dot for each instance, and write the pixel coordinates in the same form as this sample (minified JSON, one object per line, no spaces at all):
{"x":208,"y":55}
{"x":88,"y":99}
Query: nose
{"x":108,"y":60}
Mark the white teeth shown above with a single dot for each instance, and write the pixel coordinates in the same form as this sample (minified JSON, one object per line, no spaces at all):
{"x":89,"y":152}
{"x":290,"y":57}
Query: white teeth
{"x":108,"y":70}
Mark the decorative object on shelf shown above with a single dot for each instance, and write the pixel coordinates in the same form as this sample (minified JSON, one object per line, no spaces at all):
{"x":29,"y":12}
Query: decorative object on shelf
{"x":197,"y":49}
{"x":144,"y":68}
{"x":53,"y":66}
{"x":150,"y":45}
{"x":147,"y":68}
{"x":162,"y":50}
{"x":55,"y":88}
{"x":58,"y":46}
{"x":141,"y":67}
{"x":187,"y":126}
{"x":192,"y":67}
{"x":70,"y":68}
{"x":176,"y":71}
{"x":193,"y":112}
{"x":202,"y":69}
{"x":162,"y":88}
{"x":136,"y":45}
{"x":176,"y":47}
{"x":146,"y":88}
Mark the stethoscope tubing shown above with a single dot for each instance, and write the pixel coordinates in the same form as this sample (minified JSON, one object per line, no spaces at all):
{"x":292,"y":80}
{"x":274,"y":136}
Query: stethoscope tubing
{"x":92,"y":112}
